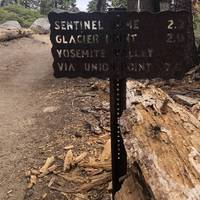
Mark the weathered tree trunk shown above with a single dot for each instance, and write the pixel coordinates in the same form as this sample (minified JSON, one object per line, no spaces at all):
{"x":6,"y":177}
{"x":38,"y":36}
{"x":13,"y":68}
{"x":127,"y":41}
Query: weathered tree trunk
{"x":101,"y":5}
{"x":162,"y":141}
{"x":141,"y":5}
{"x":187,"y":5}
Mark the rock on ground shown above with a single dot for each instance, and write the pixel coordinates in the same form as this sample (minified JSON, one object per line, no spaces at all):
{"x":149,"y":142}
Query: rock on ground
{"x":41,"y":26}
{"x":11,"y":25}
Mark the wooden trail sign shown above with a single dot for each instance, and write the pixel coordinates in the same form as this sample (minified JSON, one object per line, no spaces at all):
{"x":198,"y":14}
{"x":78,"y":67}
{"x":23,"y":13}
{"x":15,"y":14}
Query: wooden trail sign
{"x":120,"y":45}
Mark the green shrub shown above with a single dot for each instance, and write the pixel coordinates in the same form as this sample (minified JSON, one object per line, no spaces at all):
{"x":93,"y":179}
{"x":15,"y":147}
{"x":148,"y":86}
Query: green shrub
{"x":15,"y":12}
{"x":46,"y":6}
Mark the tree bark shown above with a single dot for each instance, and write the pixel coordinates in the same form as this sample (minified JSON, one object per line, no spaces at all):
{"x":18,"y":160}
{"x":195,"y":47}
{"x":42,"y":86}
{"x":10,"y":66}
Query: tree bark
{"x":101,"y":5}
{"x":141,"y":5}
{"x":163,"y":147}
{"x":187,"y":5}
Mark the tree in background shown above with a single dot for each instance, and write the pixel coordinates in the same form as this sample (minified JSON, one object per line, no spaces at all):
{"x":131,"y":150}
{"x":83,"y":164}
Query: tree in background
{"x":142,"y":5}
{"x":68,"y":3}
{"x":2,"y":3}
{"x":102,"y":5}
{"x":25,"y":3}
{"x":119,"y":3}
{"x":92,"y":6}
{"x":196,"y":14}
{"x":46,"y":6}
{"x":6,"y":2}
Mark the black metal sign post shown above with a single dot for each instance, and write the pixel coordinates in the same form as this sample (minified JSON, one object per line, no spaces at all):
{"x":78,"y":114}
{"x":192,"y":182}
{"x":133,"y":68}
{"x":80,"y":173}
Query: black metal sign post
{"x":120,"y":45}
{"x":117,"y":105}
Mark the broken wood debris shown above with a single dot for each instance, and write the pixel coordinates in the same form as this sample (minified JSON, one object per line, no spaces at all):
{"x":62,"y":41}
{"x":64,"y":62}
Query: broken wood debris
{"x":48,"y":163}
{"x":182,"y":99}
{"x":33,"y":180}
{"x":51,"y":182}
{"x":79,"y":158}
{"x":100,"y":180}
{"x":69,"y":147}
{"x":106,"y":154}
{"x":49,"y":170}
{"x":68,"y":161}
{"x":97,"y":165}
{"x":60,"y":189}
{"x":73,"y":178}
{"x":35,"y":172}
{"x":44,"y":196}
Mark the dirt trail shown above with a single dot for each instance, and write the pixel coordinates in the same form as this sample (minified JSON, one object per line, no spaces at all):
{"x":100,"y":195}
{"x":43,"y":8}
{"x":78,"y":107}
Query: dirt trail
{"x":24,"y":66}
{"x":31,"y":131}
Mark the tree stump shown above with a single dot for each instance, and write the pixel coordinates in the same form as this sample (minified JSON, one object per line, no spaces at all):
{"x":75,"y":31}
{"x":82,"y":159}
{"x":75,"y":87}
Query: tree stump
{"x":162,"y":140}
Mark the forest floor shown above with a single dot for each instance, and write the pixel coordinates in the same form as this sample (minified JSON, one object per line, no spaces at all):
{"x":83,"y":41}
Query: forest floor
{"x":60,"y":119}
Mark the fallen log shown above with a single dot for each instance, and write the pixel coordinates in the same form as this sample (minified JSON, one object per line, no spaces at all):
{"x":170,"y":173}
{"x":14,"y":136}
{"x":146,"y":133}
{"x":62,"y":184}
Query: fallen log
{"x":162,"y":140}
{"x":7,"y":35}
